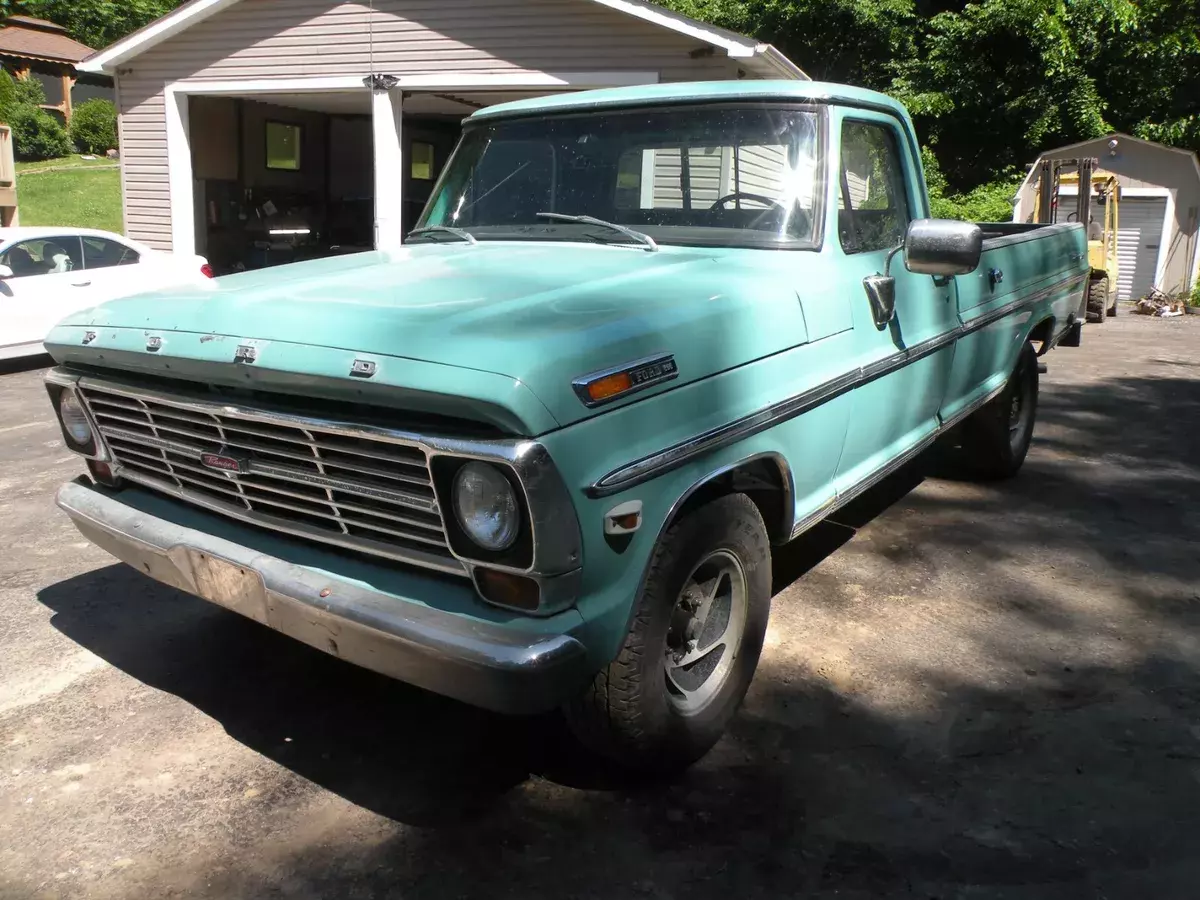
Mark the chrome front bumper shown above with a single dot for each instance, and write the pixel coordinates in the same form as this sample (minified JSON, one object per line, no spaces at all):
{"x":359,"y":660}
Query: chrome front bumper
{"x":478,"y":662}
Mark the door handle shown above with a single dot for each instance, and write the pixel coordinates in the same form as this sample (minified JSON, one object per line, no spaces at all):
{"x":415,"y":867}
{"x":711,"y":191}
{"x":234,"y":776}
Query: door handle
{"x":80,"y":283}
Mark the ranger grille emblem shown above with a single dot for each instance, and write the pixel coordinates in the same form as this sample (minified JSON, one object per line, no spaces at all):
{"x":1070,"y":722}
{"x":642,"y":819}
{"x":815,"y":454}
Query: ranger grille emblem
{"x":362,"y":368}
{"x":245,"y":354}
{"x":225,"y":461}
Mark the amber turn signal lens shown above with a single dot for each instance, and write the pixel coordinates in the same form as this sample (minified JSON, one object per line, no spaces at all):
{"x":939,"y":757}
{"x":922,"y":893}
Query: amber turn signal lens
{"x":609,"y":386}
{"x":503,"y":589}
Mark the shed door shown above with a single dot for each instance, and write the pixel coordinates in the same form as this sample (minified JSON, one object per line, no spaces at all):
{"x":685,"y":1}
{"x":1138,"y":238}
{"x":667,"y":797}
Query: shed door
{"x":1139,"y":234}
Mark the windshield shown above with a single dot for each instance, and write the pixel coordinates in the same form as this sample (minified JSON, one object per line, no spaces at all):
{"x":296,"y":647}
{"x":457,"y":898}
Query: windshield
{"x":704,"y":175}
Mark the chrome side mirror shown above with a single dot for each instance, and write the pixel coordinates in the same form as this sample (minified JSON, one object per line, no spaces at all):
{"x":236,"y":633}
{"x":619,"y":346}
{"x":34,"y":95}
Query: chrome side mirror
{"x":942,"y":247}
{"x":938,"y":247}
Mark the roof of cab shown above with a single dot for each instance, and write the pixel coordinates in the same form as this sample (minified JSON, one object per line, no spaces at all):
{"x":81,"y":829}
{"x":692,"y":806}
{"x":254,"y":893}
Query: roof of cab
{"x":692,"y":92}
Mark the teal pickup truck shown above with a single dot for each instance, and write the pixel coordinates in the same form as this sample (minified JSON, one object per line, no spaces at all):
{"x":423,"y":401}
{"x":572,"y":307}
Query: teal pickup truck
{"x":538,"y":457}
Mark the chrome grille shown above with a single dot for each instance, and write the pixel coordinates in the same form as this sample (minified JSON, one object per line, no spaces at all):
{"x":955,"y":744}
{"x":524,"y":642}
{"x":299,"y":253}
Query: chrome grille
{"x":310,"y":479}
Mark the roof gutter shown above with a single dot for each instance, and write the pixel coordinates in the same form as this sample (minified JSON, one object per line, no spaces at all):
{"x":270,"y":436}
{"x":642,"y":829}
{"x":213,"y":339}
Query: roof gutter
{"x":780,"y":63}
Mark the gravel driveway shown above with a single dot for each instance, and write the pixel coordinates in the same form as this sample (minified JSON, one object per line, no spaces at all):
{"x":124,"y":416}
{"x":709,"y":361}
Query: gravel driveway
{"x":968,"y":691}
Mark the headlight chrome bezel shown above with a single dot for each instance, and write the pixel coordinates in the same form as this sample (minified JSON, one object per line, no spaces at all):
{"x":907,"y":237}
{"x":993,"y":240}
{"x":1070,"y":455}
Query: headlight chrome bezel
{"x":58,"y":385}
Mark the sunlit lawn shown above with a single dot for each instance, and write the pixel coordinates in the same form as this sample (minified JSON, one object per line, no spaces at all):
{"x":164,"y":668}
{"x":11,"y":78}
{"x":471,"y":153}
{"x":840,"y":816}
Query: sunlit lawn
{"x":77,"y":197}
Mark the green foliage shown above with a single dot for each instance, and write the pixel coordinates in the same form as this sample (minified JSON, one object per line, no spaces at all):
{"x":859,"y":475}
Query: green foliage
{"x":94,"y":126}
{"x":8,"y":96}
{"x":37,"y":134}
{"x":992,"y":83}
{"x":1194,"y":297}
{"x":96,"y":23}
{"x":991,"y":202}
{"x":30,"y":91}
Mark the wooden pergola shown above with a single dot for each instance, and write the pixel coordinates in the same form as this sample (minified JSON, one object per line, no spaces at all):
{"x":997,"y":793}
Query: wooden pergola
{"x":29,"y":46}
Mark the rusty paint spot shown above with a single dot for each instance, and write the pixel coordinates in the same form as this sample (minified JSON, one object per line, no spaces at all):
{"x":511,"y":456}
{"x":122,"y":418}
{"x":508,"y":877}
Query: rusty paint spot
{"x":325,"y":592}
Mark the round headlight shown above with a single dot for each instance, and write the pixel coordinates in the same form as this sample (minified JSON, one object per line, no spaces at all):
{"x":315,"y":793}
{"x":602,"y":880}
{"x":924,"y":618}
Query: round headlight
{"x":74,"y":419}
{"x":486,"y":506}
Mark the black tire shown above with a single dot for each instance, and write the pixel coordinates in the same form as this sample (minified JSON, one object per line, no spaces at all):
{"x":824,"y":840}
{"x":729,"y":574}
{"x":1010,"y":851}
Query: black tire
{"x":1097,"y":300}
{"x":629,"y":715}
{"x":996,"y":438}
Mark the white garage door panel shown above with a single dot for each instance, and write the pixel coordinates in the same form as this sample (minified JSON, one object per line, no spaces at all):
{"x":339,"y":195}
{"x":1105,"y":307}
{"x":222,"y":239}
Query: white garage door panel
{"x":1139,"y":234}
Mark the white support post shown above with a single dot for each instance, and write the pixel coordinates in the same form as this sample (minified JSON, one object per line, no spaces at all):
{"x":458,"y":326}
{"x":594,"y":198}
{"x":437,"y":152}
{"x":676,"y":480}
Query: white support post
{"x":179,"y":173}
{"x":389,"y":169}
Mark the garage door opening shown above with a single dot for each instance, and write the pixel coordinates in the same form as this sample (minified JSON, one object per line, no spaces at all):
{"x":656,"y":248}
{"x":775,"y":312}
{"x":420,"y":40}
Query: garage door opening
{"x":286,"y":178}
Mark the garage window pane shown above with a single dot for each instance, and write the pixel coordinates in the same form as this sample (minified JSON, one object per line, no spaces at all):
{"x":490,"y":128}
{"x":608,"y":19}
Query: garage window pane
{"x":422,"y":161}
{"x":283,"y":146}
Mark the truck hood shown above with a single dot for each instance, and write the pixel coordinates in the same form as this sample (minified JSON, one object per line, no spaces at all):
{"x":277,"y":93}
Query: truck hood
{"x":538,"y":314}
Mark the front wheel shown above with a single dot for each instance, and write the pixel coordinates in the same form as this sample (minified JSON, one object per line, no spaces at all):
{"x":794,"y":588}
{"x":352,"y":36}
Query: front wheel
{"x":996,"y":438}
{"x":692,"y":647}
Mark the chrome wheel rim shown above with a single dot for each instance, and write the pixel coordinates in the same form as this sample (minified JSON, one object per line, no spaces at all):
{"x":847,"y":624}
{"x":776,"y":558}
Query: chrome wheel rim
{"x":705,"y":632}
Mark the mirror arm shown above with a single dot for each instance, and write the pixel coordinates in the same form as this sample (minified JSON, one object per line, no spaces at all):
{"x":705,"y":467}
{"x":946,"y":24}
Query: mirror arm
{"x":887,"y":262}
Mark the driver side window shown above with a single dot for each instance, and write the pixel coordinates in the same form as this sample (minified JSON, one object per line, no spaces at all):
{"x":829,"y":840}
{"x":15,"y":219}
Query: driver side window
{"x":872,"y":204}
{"x":43,"y":256}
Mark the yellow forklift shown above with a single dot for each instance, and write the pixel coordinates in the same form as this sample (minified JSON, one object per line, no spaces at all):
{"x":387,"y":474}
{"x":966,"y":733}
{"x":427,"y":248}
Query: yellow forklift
{"x":1054,"y":175}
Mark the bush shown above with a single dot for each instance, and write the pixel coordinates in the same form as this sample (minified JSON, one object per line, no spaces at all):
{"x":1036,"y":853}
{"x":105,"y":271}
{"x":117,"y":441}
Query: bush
{"x":30,"y":91}
{"x":8,"y":96}
{"x":94,"y":126}
{"x":38,"y":135}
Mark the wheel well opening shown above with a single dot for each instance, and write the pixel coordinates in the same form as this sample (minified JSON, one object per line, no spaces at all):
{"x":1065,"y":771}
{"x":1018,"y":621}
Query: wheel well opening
{"x":1043,"y":333}
{"x":763,"y":480}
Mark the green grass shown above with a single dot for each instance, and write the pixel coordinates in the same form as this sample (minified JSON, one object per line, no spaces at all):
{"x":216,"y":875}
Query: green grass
{"x":74,"y":162}
{"x":73,"y":197}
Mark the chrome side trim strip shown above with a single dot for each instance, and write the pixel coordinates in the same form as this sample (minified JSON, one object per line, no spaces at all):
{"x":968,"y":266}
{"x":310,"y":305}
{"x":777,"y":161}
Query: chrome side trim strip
{"x":649,"y":467}
{"x":892,"y":466}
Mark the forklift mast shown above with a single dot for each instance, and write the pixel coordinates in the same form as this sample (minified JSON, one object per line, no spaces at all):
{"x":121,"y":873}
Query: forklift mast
{"x":1049,"y":174}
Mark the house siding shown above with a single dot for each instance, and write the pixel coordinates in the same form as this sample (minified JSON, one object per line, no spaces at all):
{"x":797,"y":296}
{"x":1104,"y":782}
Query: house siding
{"x":261,"y":39}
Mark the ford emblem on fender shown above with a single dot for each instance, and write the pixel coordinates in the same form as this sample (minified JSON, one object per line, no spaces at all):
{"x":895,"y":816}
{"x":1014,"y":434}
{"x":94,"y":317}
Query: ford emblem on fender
{"x":224,"y":461}
{"x":245,"y":353}
{"x":153,"y":344}
{"x":89,"y":337}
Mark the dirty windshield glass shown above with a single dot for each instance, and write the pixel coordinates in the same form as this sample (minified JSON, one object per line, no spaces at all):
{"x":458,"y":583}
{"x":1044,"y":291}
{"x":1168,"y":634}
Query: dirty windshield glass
{"x":704,"y":175}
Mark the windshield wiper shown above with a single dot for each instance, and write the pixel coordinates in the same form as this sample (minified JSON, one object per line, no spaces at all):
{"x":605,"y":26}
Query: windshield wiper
{"x":641,"y":238}
{"x":445,"y":229}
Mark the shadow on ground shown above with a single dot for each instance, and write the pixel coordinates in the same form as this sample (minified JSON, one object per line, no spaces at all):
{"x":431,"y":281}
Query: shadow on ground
{"x":1053,"y":752}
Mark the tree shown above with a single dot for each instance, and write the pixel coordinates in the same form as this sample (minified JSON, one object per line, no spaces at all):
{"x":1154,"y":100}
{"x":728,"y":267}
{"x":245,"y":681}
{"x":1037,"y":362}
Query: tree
{"x":992,"y":83}
{"x":96,"y":23}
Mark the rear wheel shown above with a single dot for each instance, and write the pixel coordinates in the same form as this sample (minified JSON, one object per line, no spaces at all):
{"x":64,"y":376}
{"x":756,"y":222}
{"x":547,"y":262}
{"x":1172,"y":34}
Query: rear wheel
{"x":996,"y":438}
{"x":692,"y":647}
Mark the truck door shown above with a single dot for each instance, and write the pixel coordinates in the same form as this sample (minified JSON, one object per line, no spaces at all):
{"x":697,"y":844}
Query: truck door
{"x":905,"y":364}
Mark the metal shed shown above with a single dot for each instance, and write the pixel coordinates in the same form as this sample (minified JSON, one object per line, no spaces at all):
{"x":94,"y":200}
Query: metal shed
{"x":1158,"y":241}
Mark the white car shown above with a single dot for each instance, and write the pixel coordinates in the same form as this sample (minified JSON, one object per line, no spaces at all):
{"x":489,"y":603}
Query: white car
{"x":48,"y":273}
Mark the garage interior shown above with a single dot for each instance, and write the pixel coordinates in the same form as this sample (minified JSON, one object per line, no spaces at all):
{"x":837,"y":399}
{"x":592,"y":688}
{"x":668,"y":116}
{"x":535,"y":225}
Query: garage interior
{"x":281,"y":178}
